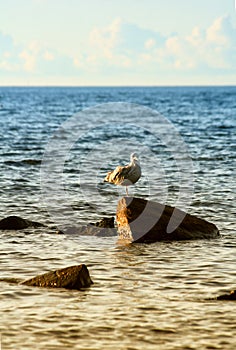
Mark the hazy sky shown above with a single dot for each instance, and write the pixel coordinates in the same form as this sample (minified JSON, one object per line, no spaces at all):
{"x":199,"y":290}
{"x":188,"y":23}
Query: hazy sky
{"x":117,"y":42}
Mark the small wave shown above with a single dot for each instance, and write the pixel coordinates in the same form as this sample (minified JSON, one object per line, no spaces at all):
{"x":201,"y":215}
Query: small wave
{"x":22,"y":161}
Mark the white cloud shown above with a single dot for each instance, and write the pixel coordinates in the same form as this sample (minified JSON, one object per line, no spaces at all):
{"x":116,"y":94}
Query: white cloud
{"x":48,"y":56}
{"x":7,"y":66}
{"x":125,"y":44}
{"x":29,"y":60}
{"x":33,"y":59}
{"x":220,"y":32}
{"x":196,"y":37}
{"x":124,"y":47}
{"x":77,"y":63}
{"x":106,"y":39}
{"x":150,"y":43}
{"x":174,"y":45}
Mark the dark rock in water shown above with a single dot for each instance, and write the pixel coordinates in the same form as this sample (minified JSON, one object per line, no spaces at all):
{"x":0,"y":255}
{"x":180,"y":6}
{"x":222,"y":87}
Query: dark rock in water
{"x":10,"y":280}
{"x":31,"y":161}
{"x":102,"y":228}
{"x":140,"y":220}
{"x":17,"y":223}
{"x":231,"y":296}
{"x":105,"y":223}
{"x":72,"y":277}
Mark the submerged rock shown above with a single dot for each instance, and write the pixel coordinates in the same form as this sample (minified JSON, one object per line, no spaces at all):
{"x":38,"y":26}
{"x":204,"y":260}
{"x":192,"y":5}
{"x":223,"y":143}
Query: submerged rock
{"x":17,"y":223}
{"x":231,"y":296}
{"x":100,"y":231}
{"x":103,"y":228}
{"x":72,"y":277}
{"x":140,"y":220}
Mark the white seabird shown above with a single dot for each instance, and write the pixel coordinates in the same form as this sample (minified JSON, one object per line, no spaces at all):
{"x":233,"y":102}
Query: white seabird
{"x":125,"y":175}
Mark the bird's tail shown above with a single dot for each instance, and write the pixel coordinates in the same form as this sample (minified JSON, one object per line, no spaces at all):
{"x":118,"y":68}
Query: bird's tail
{"x":106,"y":178}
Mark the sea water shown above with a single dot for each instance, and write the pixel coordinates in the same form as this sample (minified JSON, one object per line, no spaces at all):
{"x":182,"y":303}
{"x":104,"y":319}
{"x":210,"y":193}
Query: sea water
{"x":152,"y":296}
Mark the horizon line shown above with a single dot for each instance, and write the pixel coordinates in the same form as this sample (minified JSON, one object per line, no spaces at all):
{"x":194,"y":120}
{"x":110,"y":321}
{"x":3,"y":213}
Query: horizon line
{"x":115,"y":86}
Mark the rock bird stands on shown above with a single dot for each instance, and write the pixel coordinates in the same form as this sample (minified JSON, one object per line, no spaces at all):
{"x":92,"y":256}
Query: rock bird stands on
{"x":125,"y":175}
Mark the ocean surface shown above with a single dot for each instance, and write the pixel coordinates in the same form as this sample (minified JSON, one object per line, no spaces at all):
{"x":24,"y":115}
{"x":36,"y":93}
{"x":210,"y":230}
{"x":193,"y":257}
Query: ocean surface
{"x":56,"y":146}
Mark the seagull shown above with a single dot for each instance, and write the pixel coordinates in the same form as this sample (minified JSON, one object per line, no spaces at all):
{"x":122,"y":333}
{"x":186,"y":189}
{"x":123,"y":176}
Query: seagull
{"x":125,"y":175}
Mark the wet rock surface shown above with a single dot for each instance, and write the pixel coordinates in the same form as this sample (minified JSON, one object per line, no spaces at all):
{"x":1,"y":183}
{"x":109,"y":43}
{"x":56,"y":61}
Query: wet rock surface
{"x":141,"y":221}
{"x":72,"y":277}
{"x":17,"y":223}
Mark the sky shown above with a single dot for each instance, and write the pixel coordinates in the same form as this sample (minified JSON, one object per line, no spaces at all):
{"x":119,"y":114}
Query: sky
{"x":117,"y":42}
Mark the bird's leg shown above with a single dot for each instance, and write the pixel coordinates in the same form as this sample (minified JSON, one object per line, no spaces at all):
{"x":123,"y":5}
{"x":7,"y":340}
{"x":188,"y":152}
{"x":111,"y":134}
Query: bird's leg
{"x":127,"y":191}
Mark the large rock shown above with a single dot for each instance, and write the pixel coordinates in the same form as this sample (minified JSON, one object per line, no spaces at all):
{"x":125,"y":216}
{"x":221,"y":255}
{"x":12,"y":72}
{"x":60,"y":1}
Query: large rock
{"x":72,"y":277}
{"x":17,"y":223}
{"x":140,"y":220}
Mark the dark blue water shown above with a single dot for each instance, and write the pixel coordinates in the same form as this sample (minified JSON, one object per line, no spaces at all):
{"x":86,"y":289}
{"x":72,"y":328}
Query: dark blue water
{"x":145,"y":296}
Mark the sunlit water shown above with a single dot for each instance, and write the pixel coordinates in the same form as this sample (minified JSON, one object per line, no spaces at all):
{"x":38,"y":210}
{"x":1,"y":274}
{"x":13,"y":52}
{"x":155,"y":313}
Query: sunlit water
{"x":155,"y":296}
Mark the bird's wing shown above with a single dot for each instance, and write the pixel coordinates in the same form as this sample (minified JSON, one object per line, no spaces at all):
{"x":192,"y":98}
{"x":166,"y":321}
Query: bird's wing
{"x":121,"y":172}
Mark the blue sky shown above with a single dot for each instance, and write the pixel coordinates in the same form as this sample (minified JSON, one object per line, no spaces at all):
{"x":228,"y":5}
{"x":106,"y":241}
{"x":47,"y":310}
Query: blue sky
{"x":117,"y":42}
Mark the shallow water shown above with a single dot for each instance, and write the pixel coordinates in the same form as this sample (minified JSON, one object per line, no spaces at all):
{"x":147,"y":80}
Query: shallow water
{"x":155,"y":296}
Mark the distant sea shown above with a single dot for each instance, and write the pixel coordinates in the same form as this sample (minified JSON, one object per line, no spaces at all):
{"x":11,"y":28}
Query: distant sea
{"x":145,"y":296}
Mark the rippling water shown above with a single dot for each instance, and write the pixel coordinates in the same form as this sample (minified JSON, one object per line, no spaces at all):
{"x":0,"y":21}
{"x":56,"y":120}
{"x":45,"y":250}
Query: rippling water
{"x":144,"y":296}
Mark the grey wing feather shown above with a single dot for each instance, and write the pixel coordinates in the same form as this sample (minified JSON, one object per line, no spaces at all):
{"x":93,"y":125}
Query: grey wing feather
{"x":121,"y":172}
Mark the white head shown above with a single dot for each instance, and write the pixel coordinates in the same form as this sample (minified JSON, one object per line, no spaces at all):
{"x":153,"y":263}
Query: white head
{"x":133,"y":157}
